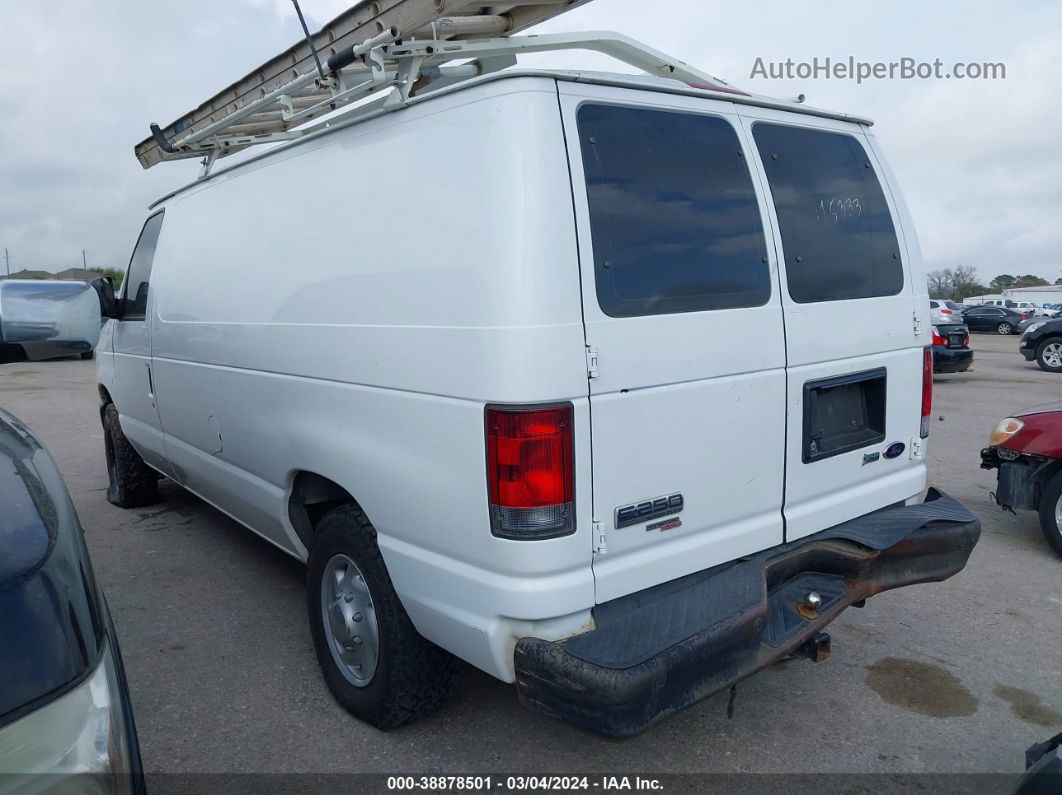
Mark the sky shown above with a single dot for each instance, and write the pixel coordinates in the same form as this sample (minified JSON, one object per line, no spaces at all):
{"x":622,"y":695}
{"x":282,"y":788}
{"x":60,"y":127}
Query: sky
{"x":978,"y":160}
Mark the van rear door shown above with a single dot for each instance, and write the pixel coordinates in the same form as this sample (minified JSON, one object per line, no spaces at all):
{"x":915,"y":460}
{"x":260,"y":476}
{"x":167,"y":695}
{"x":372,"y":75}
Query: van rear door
{"x":855,"y":323}
{"x":684,"y":328}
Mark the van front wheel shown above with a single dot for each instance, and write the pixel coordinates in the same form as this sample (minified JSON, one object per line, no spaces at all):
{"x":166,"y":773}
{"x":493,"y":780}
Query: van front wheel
{"x":131,"y":482}
{"x":378,"y":667}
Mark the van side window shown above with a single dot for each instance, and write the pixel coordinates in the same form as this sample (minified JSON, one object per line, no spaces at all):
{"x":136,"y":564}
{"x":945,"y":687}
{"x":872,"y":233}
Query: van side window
{"x":673,"y":215}
{"x":837,"y":233}
{"x":139,"y":271}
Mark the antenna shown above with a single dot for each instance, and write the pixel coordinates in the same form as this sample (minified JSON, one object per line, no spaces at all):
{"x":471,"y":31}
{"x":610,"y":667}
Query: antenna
{"x":309,"y":39}
{"x":7,"y":261}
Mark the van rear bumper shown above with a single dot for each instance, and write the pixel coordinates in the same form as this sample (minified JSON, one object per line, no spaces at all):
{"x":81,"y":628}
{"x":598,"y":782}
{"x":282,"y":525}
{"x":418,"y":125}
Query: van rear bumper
{"x":658,"y":651}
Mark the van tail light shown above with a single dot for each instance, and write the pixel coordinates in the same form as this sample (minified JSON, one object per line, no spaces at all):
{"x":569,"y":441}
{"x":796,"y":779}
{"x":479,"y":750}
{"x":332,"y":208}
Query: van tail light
{"x":937,"y":339}
{"x":927,"y":390}
{"x":530,"y":473}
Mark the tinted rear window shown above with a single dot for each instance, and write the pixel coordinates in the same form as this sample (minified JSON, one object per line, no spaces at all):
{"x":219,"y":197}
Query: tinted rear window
{"x":673,"y":216}
{"x":837,"y":233}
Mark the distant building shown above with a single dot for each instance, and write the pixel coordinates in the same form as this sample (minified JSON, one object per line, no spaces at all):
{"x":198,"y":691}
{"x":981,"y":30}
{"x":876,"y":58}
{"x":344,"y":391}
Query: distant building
{"x":982,"y":299}
{"x":70,"y":274}
{"x":27,"y":274}
{"x":77,"y":274}
{"x":1038,"y":296}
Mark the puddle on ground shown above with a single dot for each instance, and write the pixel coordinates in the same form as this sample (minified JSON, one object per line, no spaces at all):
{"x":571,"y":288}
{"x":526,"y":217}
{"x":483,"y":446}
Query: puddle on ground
{"x":920,"y":687}
{"x":1027,"y":706}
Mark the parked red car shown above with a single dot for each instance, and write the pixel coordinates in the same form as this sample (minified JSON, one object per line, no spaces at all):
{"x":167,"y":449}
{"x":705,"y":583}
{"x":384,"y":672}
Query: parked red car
{"x":1026,"y":448}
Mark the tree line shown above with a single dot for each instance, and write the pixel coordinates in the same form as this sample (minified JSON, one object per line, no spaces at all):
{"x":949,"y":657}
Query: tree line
{"x":961,"y":282}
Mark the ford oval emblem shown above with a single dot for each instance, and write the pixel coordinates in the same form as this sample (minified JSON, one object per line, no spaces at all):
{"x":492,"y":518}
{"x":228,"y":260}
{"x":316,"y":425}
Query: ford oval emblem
{"x":895,"y":449}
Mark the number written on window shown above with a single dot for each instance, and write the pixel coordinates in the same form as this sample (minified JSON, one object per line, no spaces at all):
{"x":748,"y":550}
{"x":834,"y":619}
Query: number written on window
{"x":837,"y":209}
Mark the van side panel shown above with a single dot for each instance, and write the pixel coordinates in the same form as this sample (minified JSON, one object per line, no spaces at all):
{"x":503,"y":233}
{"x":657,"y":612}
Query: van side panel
{"x":356,"y":328}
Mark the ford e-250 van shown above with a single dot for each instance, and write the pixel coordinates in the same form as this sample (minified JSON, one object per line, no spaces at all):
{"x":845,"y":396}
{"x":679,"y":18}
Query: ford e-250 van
{"x":474,"y":358}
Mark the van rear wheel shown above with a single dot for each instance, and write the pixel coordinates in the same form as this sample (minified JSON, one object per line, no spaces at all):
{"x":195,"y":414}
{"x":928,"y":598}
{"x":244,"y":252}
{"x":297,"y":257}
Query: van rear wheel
{"x":131,"y":482}
{"x":378,"y":667}
{"x":1051,"y":512}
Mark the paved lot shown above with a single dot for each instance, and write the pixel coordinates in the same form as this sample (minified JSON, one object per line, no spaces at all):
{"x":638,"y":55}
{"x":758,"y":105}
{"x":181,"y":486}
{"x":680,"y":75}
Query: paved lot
{"x":960,"y":676}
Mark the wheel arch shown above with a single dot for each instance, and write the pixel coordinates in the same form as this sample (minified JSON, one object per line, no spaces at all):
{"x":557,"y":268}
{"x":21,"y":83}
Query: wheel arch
{"x":1052,"y":337}
{"x":312,"y":496}
{"x":105,"y":399}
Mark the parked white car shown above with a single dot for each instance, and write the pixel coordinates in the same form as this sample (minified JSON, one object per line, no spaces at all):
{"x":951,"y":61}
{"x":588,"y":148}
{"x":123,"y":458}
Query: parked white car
{"x":473,"y":361}
{"x":942,"y":311}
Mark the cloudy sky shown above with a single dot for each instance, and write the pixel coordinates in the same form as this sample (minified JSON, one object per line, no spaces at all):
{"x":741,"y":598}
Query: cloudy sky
{"x":979,"y":160}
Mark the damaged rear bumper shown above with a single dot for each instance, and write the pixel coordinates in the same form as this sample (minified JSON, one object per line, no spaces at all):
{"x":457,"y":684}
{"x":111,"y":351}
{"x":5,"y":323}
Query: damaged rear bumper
{"x":658,"y":651}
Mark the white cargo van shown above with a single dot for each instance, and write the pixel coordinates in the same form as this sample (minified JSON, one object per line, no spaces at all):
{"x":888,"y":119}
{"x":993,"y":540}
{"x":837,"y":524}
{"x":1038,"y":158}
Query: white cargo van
{"x":613,"y":386}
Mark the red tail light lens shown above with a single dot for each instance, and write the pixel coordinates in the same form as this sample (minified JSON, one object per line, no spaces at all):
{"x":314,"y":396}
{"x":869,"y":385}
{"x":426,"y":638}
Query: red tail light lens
{"x":966,"y":341}
{"x":937,"y":339}
{"x":530,"y":474}
{"x":945,"y":311}
{"x":927,"y":389}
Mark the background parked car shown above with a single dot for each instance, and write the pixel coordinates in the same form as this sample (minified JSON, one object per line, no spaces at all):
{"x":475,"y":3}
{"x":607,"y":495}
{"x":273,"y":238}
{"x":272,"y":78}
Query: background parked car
{"x":993,"y":318}
{"x":1026,"y":448}
{"x":951,"y":348}
{"x":1042,"y":342}
{"x":944,"y":311}
{"x":64,"y":702}
{"x":1052,"y":310}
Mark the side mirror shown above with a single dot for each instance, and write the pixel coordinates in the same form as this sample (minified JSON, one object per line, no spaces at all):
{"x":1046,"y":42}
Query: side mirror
{"x":105,"y":290}
{"x":46,"y":319}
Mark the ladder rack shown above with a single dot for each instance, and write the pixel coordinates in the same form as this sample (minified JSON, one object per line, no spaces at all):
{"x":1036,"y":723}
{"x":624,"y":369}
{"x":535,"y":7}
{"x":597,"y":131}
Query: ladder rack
{"x":401,"y":45}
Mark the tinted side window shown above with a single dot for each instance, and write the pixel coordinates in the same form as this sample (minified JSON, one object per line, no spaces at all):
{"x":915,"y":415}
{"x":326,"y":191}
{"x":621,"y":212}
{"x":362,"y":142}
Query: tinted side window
{"x":673,"y":214}
{"x":837,"y":234}
{"x":139,"y":272}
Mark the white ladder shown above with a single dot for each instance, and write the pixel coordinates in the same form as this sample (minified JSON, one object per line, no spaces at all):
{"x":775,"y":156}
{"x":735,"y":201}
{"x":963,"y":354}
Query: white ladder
{"x":275,"y":101}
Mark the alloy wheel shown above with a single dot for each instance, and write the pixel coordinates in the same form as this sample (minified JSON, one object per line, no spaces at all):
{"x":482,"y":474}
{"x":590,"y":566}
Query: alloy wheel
{"x":1052,"y":354}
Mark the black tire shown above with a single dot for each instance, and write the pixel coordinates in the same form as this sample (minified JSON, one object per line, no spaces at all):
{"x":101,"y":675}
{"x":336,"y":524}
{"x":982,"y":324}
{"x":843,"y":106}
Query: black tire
{"x":1042,"y":354}
{"x":88,"y":354}
{"x":1004,"y":329}
{"x":1050,"y":496}
{"x":132,"y":483}
{"x":413,"y":677}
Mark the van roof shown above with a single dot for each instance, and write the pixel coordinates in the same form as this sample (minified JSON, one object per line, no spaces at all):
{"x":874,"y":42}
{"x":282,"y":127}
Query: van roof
{"x":642,"y":82}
